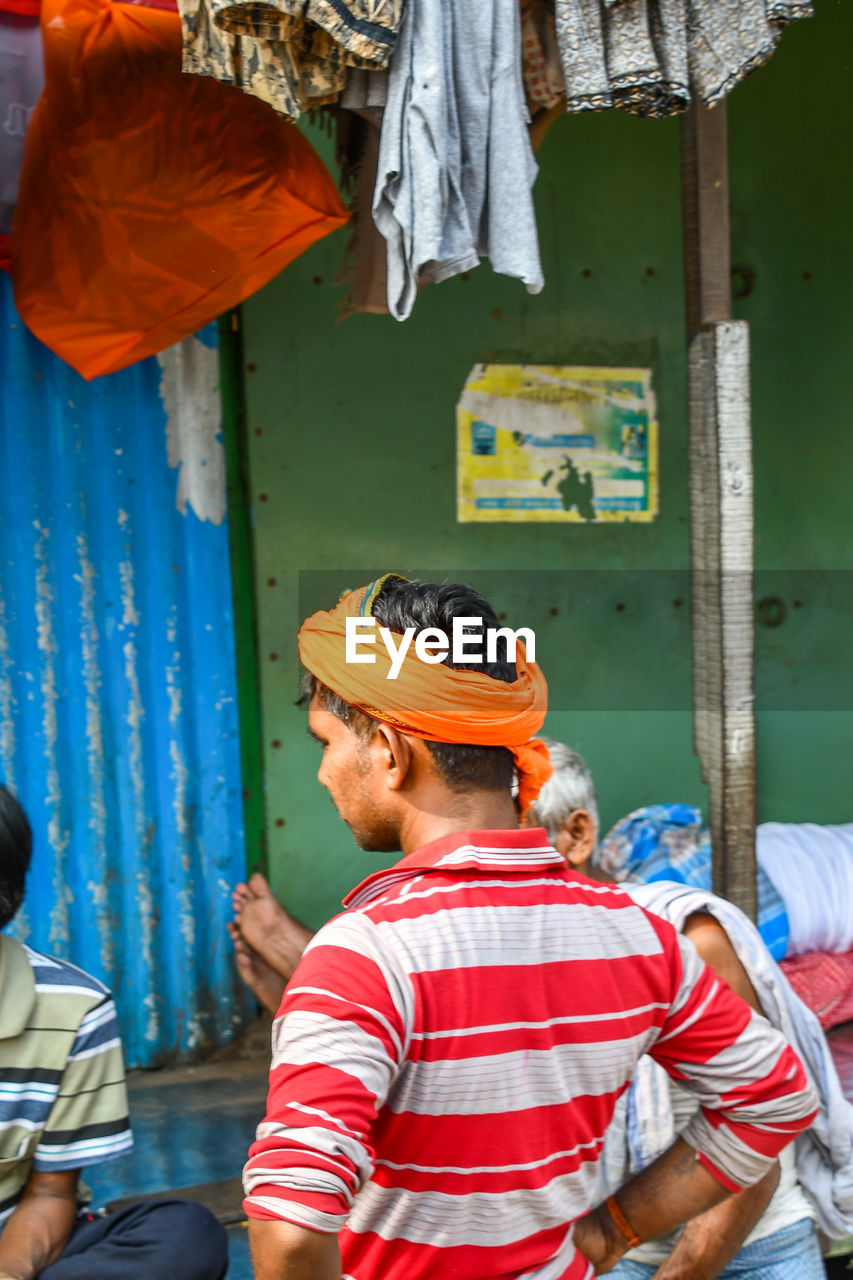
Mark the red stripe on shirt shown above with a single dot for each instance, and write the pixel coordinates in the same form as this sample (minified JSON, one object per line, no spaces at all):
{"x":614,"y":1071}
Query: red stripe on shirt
{"x":492,"y":1177}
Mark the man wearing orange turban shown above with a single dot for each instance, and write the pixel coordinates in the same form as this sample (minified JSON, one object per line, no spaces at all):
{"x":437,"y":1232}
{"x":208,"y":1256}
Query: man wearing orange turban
{"x":440,"y":702}
{"x":449,"y":1052}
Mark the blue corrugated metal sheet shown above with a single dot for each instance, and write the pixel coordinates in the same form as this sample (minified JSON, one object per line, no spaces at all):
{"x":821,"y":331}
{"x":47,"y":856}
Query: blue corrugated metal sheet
{"x":118,"y":711}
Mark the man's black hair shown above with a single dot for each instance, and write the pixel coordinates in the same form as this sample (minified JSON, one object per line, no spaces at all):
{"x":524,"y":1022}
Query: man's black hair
{"x":402,"y":604}
{"x":16,"y":846}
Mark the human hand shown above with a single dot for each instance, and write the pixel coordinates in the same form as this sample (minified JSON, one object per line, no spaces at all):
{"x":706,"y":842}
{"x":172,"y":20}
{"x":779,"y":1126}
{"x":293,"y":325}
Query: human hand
{"x":598,"y":1240}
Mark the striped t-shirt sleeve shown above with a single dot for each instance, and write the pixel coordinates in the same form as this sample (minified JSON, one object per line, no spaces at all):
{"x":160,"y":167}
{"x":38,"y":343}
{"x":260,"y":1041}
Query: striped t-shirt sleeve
{"x":753,"y":1092}
{"x":88,"y":1122}
{"x":337,"y":1045}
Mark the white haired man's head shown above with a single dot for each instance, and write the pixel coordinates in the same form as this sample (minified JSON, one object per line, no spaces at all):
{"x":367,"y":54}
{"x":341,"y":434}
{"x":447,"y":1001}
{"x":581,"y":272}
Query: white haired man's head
{"x":566,"y":806}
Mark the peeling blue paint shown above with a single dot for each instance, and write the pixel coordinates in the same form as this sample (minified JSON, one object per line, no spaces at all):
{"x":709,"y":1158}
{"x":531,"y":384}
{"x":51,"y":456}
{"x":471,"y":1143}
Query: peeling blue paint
{"x":118,"y":709}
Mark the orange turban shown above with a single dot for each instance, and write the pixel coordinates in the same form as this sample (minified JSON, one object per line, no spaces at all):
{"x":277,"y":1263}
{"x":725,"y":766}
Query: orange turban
{"x":433,"y":701}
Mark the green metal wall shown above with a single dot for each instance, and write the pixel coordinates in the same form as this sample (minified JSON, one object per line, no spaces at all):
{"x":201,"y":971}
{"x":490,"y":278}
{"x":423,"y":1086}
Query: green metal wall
{"x":351,"y":449}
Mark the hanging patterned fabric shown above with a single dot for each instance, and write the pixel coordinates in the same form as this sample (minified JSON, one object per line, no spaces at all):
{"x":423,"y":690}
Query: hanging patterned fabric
{"x":651,"y":57}
{"x":540,"y":56}
{"x":293,"y":55}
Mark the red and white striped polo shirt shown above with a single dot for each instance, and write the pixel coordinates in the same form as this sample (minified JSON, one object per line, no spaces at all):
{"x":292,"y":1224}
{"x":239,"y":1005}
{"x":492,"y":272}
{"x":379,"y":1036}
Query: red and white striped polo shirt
{"x":448,"y":1055}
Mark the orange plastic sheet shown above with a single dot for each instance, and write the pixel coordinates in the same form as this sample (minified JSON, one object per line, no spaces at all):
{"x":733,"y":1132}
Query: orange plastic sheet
{"x":150,"y":202}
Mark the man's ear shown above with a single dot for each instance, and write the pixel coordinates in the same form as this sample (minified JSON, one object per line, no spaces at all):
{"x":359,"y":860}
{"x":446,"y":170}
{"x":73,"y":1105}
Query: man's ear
{"x":393,"y":754}
{"x":576,"y":838}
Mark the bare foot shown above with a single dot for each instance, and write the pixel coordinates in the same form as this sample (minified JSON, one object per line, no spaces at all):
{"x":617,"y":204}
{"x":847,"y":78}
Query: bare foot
{"x":267,"y":985}
{"x":276,"y":937}
{"x":239,"y":894}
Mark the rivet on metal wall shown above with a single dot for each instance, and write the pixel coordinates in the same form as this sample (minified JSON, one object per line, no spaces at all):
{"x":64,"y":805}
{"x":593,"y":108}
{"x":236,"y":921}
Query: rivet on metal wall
{"x":771,"y":611}
{"x":743,"y":282}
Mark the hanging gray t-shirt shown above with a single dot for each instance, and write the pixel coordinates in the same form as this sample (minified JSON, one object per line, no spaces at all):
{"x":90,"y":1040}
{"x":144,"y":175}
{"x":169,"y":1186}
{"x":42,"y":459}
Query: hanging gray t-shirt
{"x":456,"y":168}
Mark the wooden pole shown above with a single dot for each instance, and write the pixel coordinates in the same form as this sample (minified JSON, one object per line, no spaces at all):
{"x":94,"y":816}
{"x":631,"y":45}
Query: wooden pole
{"x":705,"y":212}
{"x":721,"y":511}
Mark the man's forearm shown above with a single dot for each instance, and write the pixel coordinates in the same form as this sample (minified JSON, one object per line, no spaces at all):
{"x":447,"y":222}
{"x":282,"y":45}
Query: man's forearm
{"x":284,"y":1251}
{"x":35,"y":1235}
{"x":671,"y":1190}
{"x":710,"y":1241}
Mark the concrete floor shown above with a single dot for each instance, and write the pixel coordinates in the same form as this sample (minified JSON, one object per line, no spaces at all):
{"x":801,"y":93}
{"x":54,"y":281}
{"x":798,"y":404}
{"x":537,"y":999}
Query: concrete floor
{"x":192,"y":1127}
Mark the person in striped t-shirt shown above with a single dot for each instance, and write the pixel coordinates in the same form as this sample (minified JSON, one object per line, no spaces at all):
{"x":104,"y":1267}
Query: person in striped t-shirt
{"x":449,"y":1052}
{"x":63,"y":1106}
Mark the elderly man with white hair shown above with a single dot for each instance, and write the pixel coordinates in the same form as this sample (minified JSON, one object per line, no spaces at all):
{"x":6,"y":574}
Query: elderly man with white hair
{"x":765,"y":1232}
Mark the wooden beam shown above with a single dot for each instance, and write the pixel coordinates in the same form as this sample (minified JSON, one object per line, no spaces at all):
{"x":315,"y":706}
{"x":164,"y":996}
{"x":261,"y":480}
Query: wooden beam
{"x":721,"y":511}
{"x":705,"y":215}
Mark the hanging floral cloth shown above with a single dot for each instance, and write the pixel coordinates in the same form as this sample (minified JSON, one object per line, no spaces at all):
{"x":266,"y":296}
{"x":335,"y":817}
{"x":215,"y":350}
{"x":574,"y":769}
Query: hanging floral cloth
{"x":651,"y":57}
{"x":292,"y":54}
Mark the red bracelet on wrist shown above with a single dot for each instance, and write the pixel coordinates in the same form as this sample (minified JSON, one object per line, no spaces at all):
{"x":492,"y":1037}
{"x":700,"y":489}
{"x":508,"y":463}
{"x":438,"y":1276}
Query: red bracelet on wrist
{"x":622,"y":1222}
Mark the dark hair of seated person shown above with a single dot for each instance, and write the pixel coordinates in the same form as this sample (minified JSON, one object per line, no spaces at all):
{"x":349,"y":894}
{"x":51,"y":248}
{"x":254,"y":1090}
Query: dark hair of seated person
{"x":16,"y":845}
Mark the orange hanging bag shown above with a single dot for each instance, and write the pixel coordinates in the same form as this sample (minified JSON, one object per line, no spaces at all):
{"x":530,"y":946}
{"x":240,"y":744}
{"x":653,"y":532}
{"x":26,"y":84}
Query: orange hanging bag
{"x":150,"y":201}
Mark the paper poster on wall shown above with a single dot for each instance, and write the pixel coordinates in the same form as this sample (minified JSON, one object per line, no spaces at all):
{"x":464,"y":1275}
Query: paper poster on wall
{"x":556,"y":442}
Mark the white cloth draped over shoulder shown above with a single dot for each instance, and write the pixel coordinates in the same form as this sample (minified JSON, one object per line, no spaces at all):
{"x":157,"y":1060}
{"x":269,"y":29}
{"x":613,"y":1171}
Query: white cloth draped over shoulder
{"x":642,"y":1126}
